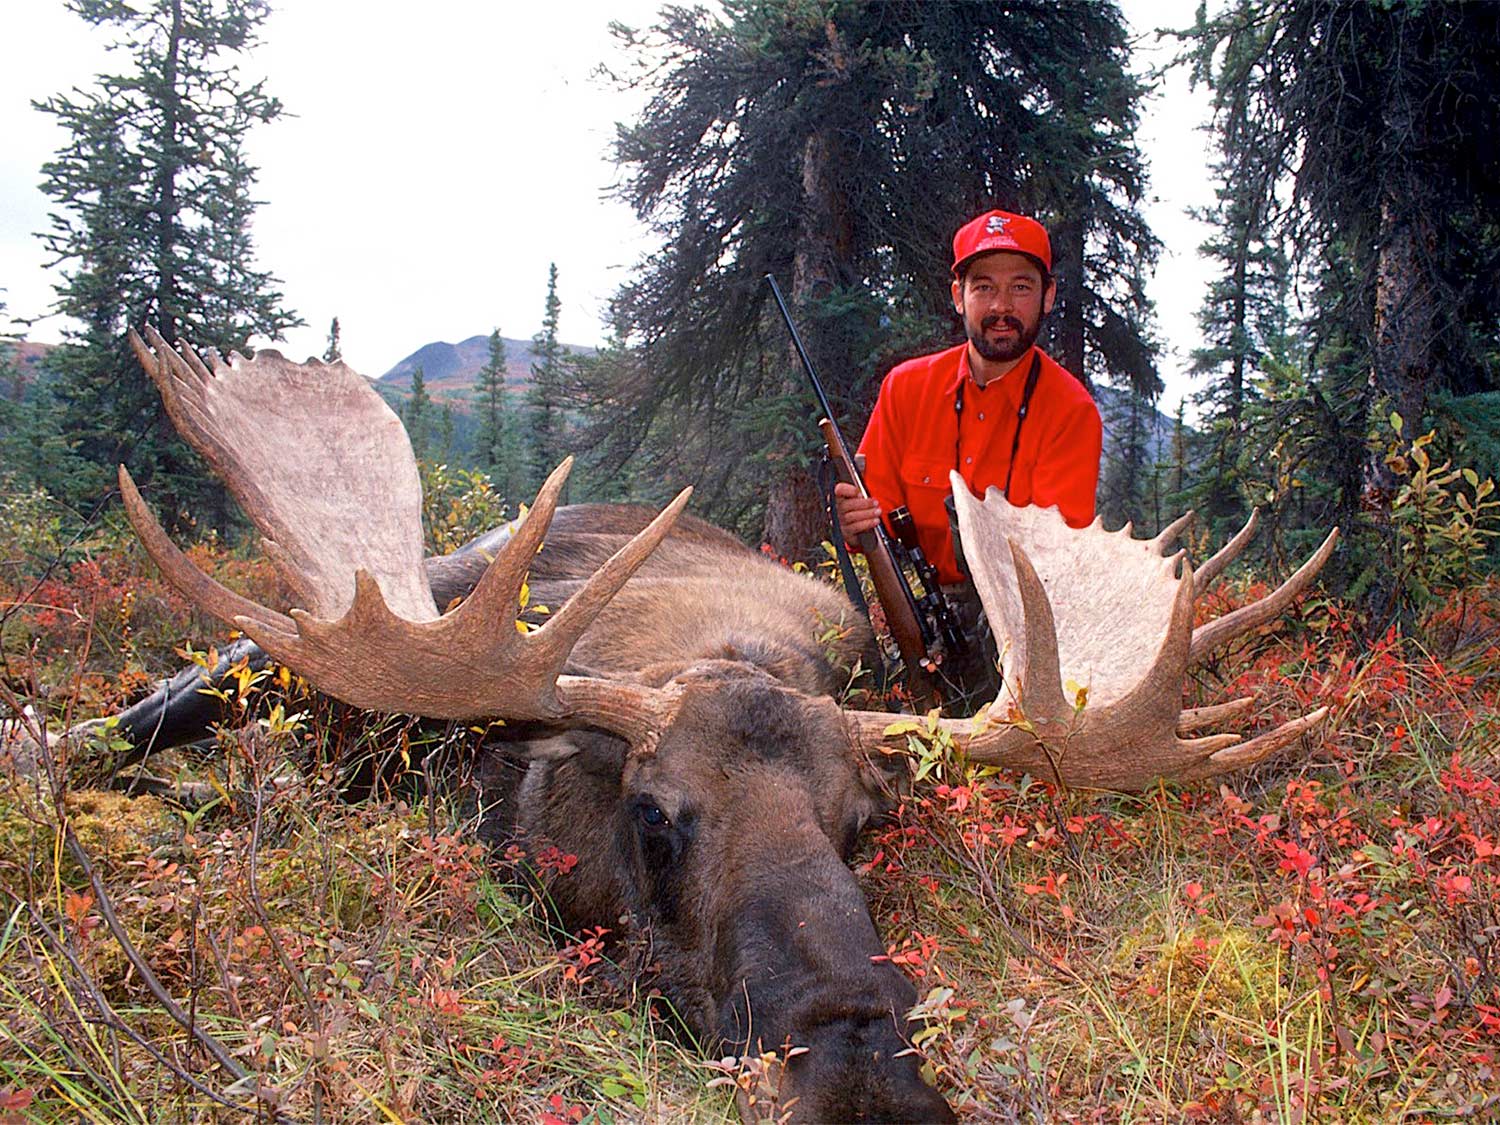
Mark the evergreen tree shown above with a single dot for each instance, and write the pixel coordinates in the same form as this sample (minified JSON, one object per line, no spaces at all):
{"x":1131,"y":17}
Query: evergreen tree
{"x":416,"y":415}
{"x":839,"y":145}
{"x":1243,"y":319}
{"x":494,"y":442}
{"x":33,"y":453}
{"x":334,"y":351}
{"x":1125,"y":480}
{"x":1370,"y":112}
{"x":153,"y":227}
{"x":545,"y":421}
{"x":445,"y":433}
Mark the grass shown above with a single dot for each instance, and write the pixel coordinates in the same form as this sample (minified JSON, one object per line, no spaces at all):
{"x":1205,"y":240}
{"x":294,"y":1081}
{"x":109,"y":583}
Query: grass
{"x":1312,"y":941}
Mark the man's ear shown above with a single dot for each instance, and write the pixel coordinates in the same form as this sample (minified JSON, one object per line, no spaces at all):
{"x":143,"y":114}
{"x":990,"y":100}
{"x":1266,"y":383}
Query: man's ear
{"x":958,"y":295}
{"x":1049,"y":298}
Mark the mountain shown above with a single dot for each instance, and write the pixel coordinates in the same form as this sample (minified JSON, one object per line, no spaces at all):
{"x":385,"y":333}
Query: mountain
{"x":1114,"y":412}
{"x":26,"y":358}
{"x":449,"y":370}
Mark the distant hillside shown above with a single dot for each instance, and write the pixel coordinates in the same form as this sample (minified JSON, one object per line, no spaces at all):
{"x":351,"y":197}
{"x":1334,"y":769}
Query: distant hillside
{"x":449,"y":370}
{"x":1114,"y":412}
{"x":27,"y":359}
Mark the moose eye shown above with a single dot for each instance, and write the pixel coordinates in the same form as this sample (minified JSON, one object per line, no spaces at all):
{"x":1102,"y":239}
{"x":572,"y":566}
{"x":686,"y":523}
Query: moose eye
{"x":651,"y":815}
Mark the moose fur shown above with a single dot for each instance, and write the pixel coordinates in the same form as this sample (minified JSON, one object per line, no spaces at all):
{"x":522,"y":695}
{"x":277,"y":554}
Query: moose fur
{"x":741,"y":890}
{"x":677,"y":712}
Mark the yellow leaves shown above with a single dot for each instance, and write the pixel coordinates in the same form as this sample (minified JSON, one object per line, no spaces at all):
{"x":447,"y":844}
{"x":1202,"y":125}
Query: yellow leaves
{"x":1079,"y":695}
{"x":524,"y":627}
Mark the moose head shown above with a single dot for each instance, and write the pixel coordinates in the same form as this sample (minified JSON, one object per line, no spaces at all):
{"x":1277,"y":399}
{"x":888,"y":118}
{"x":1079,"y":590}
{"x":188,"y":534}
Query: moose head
{"x":678,"y":710}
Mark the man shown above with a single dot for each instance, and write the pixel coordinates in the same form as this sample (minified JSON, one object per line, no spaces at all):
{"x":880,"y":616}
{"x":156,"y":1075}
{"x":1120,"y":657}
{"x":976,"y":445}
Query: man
{"x":996,"y":408}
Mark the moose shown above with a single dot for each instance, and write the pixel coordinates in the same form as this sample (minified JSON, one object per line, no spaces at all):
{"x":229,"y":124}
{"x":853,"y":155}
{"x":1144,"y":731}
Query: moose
{"x":677,"y":713}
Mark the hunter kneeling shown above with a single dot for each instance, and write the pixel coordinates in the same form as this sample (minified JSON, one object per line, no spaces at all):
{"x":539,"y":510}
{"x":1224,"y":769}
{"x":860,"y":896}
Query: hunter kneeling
{"x":996,"y":409}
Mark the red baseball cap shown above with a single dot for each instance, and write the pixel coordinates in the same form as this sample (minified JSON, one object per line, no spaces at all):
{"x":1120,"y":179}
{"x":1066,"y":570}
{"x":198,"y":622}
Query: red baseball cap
{"x":1000,"y":230}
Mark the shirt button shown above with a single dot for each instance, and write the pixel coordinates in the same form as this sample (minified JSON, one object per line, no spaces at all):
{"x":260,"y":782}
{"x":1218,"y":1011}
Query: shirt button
{"x":981,"y":415}
{"x":968,"y":460}
{"x":926,"y":480}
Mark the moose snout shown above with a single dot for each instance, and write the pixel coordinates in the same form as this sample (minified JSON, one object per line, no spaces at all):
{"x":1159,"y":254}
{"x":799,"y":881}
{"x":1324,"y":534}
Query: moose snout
{"x":811,"y":982}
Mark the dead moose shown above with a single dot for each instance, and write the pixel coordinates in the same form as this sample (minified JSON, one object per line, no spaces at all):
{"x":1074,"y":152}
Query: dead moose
{"x":678,"y":710}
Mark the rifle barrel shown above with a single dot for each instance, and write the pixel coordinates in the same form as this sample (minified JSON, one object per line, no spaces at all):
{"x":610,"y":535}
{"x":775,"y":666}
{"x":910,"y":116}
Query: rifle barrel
{"x":817,"y":384}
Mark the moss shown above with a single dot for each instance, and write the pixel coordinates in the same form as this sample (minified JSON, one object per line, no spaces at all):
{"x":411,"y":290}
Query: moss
{"x":113,"y":828}
{"x":1217,"y":977}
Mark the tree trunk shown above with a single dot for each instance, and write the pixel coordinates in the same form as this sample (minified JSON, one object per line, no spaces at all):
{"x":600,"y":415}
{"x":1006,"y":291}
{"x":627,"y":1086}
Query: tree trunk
{"x":1405,"y":328}
{"x":166,"y":185}
{"x":796,"y":522}
{"x":1067,"y":316}
{"x":1406,"y":301}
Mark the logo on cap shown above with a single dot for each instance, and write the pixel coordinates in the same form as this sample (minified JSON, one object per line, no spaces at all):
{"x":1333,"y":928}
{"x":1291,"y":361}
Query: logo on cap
{"x":996,"y":224}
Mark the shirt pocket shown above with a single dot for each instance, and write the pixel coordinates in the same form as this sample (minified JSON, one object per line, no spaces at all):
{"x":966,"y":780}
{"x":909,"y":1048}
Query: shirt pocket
{"x":919,"y":473}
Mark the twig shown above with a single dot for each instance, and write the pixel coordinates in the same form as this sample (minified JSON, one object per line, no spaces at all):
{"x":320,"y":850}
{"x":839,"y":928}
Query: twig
{"x":107,"y":911}
{"x":263,"y":916}
{"x":113,"y":1021}
{"x":141,"y":965}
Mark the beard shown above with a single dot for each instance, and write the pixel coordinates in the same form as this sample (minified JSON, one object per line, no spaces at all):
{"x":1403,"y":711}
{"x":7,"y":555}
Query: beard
{"x":1003,"y":351}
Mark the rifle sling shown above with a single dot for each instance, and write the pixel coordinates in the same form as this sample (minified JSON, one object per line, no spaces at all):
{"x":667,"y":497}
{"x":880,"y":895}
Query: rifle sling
{"x":1015,"y":445}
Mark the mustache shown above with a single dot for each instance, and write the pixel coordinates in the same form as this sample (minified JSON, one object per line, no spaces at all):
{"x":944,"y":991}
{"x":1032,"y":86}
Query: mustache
{"x":995,"y":320}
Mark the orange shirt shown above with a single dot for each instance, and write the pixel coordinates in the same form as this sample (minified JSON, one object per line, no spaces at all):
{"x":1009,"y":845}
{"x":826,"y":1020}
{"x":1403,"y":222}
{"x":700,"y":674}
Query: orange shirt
{"x":915,"y":437}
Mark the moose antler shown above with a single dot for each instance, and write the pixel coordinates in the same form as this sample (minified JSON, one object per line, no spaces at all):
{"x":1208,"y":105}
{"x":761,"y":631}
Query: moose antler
{"x":323,"y":467}
{"x":1111,"y":616}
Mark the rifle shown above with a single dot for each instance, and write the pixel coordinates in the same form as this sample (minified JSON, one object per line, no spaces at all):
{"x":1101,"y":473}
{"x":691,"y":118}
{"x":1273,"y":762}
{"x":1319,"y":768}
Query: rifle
{"x":909,"y":626}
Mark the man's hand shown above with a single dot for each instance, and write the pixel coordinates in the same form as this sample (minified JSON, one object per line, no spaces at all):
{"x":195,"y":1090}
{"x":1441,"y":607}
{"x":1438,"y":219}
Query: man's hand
{"x":857,"y":514}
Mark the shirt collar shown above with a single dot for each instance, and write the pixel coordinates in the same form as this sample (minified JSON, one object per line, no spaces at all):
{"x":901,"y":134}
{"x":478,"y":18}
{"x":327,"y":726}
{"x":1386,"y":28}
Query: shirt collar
{"x":961,"y":375}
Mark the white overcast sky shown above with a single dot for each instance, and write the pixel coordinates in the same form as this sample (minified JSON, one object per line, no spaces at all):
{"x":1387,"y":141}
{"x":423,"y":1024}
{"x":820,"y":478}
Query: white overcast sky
{"x":432,"y":164}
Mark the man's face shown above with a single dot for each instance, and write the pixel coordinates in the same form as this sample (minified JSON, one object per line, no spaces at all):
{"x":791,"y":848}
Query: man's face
{"x":1002,"y":300}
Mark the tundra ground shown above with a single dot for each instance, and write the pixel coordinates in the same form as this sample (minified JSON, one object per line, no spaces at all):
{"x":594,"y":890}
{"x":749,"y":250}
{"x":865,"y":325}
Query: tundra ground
{"x":1318,"y":940}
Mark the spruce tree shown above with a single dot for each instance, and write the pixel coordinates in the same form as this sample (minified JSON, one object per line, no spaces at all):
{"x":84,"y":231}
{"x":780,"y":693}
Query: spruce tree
{"x":153,"y":227}
{"x":839,"y":145}
{"x":1125,"y":483}
{"x":417,"y":415}
{"x":1370,"y":113}
{"x":445,"y":433}
{"x":494,"y":442}
{"x":335,"y":349}
{"x":545,"y":422}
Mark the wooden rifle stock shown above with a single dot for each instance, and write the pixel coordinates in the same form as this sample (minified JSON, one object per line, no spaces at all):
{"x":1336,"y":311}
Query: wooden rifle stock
{"x":890,"y":584}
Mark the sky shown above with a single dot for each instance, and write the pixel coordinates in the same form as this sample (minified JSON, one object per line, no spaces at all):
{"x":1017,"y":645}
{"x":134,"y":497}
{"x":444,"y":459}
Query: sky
{"x":429,"y":170}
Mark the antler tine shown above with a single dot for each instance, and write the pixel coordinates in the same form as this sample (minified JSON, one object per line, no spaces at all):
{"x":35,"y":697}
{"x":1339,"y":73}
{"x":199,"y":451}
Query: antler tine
{"x":1209,"y":572}
{"x":1220,"y":631}
{"x":496,"y":592}
{"x":197,"y":587}
{"x":1041,"y":678}
{"x":1196,"y":718}
{"x":182,"y":379}
{"x":193,"y":360}
{"x":1168,"y":535}
{"x":499,"y":587}
{"x":1257,"y":749}
{"x":584,"y":606}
